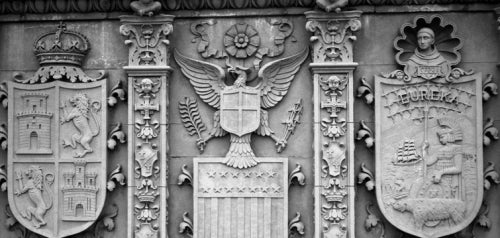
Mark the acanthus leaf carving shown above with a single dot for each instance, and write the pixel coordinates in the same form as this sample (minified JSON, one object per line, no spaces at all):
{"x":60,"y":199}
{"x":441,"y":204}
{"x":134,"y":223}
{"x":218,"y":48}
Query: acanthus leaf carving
{"x":117,"y":93}
{"x":366,"y":177}
{"x":482,"y":219}
{"x":297,"y":176}
{"x":490,"y":88}
{"x":3,"y":178}
{"x":116,"y":135}
{"x":296,"y":226}
{"x":490,"y":132}
{"x":491,"y":176}
{"x":3,"y":136}
{"x":116,"y":176}
{"x":186,"y":225}
{"x":365,"y":92}
{"x":366,"y":134}
{"x":372,"y":221}
{"x":185,"y":177}
{"x":4,"y":95}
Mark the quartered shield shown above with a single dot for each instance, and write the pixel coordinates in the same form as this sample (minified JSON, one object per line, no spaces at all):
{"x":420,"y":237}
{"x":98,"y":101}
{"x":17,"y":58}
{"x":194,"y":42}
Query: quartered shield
{"x":429,"y":158}
{"x":240,"y":110}
{"x":57,"y":155}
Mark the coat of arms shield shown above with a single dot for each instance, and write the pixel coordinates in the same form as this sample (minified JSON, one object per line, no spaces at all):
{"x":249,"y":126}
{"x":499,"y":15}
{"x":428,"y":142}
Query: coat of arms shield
{"x":240,"y":110}
{"x":57,"y":155}
{"x":429,"y":163}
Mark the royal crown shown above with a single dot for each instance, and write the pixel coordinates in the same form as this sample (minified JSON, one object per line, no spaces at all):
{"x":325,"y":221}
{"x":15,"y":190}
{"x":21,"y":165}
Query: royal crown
{"x":61,"y":47}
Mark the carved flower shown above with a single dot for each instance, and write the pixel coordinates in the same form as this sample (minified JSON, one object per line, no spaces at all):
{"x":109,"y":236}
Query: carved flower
{"x":241,"y":40}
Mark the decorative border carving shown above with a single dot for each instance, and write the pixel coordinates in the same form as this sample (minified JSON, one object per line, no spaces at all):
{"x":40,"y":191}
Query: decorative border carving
{"x":148,"y":119}
{"x":333,"y":68}
{"x":74,"y":6}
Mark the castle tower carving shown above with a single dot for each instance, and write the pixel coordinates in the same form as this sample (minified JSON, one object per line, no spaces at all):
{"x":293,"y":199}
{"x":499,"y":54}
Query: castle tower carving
{"x":34,"y":125}
{"x":79,"y":193}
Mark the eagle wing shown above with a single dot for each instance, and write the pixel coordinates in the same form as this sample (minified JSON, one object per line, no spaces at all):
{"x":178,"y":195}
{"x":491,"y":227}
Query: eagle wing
{"x":206,"y":78}
{"x":276,"y":77}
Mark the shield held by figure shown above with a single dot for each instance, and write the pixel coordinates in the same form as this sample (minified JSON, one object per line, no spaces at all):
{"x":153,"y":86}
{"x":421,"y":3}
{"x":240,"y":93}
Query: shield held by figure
{"x":240,"y":110}
{"x":57,"y":155}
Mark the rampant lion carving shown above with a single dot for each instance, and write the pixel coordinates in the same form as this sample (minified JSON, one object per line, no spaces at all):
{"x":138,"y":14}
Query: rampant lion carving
{"x":34,"y":187}
{"x":79,"y":115}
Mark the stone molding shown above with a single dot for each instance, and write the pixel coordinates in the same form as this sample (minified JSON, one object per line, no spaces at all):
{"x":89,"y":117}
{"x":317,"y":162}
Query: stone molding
{"x":75,"y":6}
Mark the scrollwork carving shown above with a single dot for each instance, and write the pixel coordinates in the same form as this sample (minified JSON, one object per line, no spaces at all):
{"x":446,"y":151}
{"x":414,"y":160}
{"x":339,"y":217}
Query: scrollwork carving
{"x":116,"y":176}
{"x":372,"y":221}
{"x":145,"y":7}
{"x":3,"y":178}
{"x":297,"y":176}
{"x":366,"y":177}
{"x":366,"y":134}
{"x":185,"y":177}
{"x":333,"y":36}
{"x":116,"y":135}
{"x":491,"y":176}
{"x":186,"y":226}
{"x":117,"y":93}
{"x":296,"y":226}
{"x":482,"y":219}
{"x":3,"y":136}
{"x":490,"y":88}
{"x":365,"y":91}
{"x":490,"y":132}
{"x":4,"y":95}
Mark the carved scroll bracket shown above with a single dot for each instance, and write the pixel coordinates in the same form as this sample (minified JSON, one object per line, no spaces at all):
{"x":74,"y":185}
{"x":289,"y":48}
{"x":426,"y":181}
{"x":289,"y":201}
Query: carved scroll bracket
{"x":333,"y":37}
{"x":148,"y":73}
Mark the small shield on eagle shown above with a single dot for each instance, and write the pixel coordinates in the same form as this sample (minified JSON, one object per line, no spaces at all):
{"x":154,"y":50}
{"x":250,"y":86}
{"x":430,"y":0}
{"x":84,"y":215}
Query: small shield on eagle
{"x":57,"y":155}
{"x":240,"y":110}
{"x":429,"y":158}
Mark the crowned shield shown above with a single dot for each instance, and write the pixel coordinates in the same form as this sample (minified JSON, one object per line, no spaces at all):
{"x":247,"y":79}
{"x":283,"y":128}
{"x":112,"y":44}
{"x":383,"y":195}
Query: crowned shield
{"x":429,"y":159}
{"x":240,"y":110}
{"x":57,"y":155}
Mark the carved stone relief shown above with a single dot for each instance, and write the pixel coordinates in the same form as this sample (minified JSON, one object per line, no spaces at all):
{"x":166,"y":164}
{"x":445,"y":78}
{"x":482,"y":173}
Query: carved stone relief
{"x":241,"y":194}
{"x":245,"y":203}
{"x":147,"y":82}
{"x":332,"y":69}
{"x":429,"y":180}
{"x":57,"y":188}
{"x":240,"y":106}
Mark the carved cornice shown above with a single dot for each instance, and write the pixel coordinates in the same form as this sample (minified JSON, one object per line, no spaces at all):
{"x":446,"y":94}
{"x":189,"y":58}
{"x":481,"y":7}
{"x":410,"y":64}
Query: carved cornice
{"x":75,"y":6}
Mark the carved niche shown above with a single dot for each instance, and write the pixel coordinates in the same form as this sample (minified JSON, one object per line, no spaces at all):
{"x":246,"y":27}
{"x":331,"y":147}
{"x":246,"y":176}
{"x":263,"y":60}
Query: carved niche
{"x":429,"y":178}
{"x":57,"y":137}
{"x":240,"y":194}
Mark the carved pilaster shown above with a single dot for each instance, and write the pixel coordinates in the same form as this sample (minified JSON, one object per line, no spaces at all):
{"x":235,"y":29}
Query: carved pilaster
{"x":332,"y":66}
{"x":148,"y":118}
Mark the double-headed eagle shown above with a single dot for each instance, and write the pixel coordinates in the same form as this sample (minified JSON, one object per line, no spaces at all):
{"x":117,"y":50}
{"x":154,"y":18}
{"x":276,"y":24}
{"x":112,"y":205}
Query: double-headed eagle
{"x":240,"y":108}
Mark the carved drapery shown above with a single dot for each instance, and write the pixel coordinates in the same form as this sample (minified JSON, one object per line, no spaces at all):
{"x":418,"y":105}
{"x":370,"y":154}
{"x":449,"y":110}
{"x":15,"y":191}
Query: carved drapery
{"x":332,"y":67}
{"x":148,"y":96}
